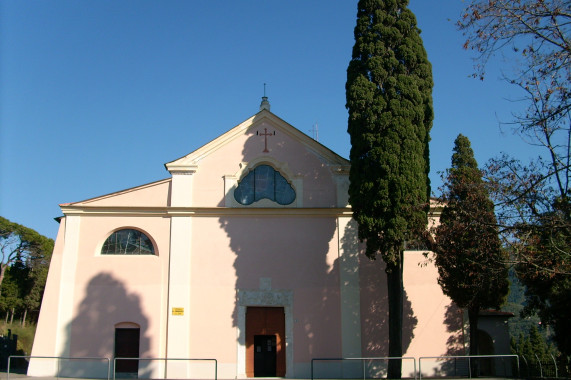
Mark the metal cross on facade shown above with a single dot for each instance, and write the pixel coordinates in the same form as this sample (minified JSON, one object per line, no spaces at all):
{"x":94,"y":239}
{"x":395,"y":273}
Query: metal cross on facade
{"x":265,"y":134}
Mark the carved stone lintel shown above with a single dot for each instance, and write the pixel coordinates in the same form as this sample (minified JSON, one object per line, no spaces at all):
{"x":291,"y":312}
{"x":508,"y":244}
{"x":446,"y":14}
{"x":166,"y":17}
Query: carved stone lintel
{"x":265,"y":297}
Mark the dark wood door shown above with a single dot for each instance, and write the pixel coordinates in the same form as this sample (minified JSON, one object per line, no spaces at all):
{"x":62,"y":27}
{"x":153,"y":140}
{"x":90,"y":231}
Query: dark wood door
{"x":265,"y":355}
{"x":265,"y":323}
{"x":127,"y":346}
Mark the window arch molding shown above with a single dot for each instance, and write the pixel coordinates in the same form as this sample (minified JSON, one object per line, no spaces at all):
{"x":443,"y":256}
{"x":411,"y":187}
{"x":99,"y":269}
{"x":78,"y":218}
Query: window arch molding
{"x":141,"y":244}
{"x":282,"y":167}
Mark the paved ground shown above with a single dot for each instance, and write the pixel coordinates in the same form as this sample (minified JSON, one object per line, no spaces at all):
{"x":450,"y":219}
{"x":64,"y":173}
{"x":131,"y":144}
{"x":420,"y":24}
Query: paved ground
{"x":4,"y":376}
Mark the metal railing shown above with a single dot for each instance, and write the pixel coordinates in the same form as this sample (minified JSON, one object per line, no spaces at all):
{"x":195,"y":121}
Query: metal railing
{"x":58,"y":361}
{"x":361,"y":371}
{"x":363,"y":360}
{"x":465,"y":357}
{"x":166,"y":360}
{"x":545,"y":367}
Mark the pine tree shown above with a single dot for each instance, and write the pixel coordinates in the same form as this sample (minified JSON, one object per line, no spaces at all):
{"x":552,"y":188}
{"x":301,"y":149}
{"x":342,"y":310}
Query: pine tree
{"x":25,"y":258}
{"x":389,"y":99}
{"x":469,"y":256}
{"x":533,"y":348}
{"x":538,"y":343}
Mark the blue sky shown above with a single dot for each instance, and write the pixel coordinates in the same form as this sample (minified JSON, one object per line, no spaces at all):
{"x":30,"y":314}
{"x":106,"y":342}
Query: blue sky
{"x":95,"y":96}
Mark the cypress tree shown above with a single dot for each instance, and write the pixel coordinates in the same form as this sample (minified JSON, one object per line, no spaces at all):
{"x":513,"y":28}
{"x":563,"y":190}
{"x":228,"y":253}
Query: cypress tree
{"x":469,"y":256}
{"x":389,"y":99}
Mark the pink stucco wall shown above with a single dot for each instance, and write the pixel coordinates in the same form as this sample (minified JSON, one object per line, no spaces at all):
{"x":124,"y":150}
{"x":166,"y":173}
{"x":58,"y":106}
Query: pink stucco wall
{"x":154,"y":194}
{"x":432,"y":325}
{"x":295,"y":253}
{"x":318,"y":186}
{"x":110,"y":289}
{"x":46,"y":331}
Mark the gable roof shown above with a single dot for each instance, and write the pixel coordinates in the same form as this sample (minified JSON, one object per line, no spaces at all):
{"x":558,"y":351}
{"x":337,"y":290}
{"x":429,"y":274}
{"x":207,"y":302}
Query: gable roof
{"x":152,"y":194}
{"x":155,"y":189}
{"x":191,"y":160}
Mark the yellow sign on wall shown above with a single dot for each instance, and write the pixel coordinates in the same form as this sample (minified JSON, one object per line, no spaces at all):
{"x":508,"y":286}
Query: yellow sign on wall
{"x":178,"y":311}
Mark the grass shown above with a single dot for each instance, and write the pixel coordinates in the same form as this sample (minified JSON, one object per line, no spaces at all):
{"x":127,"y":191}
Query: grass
{"x":25,"y":336}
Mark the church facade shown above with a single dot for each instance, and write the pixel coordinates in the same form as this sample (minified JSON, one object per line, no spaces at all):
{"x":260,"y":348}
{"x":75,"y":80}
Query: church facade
{"x":247,"y":254}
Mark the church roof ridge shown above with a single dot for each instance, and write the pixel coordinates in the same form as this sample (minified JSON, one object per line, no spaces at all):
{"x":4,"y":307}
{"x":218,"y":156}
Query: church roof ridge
{"x":196,"y":155}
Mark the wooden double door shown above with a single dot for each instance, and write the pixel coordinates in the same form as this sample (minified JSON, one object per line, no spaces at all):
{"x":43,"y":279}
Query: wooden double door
{"x":265,"y":342}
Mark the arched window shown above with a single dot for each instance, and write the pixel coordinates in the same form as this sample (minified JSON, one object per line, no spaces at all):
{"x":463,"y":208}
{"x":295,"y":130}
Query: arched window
{"x":264,"y":182}
{"x":128,"y":242}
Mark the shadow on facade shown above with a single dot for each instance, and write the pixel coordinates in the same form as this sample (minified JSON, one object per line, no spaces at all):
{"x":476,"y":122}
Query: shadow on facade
{"x":290,"y":261}
{"x":107,"y":304}
{"x":281,"y":262}
{"x":454,"y":321}
{"x":375,"y":317}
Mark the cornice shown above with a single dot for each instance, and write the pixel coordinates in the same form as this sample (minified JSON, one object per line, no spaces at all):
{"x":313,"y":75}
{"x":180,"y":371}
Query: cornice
{"x":70,"y":209}
{"x":203,"y":211}
{"x":182,"y":169}
{"x":112,"y":210}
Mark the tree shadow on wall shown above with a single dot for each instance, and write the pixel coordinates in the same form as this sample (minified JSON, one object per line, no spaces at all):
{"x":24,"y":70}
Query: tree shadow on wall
{"x":454,"y":320}
{"x":281,"y":262}
{"x":107,"y":304}
{"x":286,"y":260}
{"x":268,"y":145}
{"x":375,"y":317}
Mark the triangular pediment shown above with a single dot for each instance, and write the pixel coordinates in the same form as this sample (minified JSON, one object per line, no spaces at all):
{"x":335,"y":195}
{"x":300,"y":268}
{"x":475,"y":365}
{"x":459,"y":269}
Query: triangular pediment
{"x":208,"y":176}
{"x":190,"y":162}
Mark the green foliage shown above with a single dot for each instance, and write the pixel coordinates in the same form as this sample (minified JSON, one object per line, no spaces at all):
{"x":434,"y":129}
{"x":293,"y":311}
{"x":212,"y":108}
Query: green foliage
{"x":546,"y":272}
{"x":11,"y":297}
{"x":25,"y":336}
{"x":25,"y":258}
{"x":533,"y":347}
{"x":469,"y":256}
{"x":17,"y":240}
{"x":389,"y":99}
{"x":520,"y":325}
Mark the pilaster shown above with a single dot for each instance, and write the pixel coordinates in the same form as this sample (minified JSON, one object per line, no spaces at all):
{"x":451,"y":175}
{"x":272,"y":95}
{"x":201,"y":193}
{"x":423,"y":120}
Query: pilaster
{"x":181,"y":185}
{"x":341,"y":176}
{"x":180,"y":261}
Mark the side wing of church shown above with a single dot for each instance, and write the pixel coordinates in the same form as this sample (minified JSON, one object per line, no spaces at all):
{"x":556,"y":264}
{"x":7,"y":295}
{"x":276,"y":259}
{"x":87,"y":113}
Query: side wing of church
{"x":246,"y":254}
